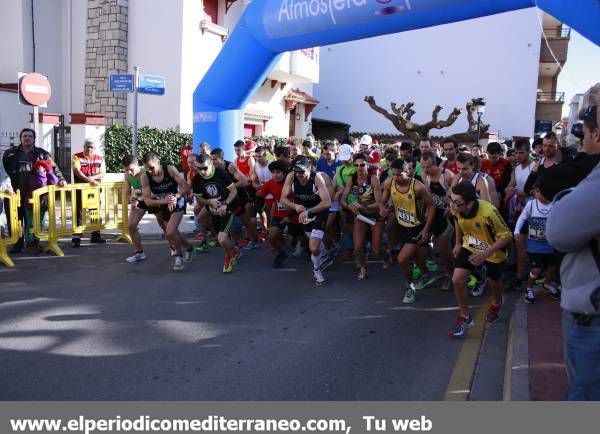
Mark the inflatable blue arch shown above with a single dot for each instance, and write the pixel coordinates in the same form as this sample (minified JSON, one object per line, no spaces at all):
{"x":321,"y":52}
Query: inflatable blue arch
{"x":268,"y":28}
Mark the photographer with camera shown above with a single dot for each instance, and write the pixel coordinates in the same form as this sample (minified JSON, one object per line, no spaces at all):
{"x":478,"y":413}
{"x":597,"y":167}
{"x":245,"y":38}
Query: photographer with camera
{"x":573,"y":228}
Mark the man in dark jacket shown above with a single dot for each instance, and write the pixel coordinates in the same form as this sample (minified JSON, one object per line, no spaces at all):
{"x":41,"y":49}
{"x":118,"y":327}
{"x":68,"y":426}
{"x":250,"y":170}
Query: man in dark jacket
{"x":18,"y":164}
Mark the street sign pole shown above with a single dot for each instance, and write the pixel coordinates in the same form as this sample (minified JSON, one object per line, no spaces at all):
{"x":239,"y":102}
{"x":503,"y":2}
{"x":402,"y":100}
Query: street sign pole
{"x":136,"y":82}
{"x":36,"y":124}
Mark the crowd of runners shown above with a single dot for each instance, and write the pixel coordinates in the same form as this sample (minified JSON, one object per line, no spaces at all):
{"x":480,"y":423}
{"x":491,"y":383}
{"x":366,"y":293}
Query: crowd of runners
{"x":441,"y":211}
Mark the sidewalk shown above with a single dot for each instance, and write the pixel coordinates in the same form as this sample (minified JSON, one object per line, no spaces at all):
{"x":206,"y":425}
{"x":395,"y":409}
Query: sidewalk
{"x":535,"y":364}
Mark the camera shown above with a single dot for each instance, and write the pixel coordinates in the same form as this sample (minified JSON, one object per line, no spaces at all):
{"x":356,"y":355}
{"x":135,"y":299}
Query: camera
{"x":577,"y":130}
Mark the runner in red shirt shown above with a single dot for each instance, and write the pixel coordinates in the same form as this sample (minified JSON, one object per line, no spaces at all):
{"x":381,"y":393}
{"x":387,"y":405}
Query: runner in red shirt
{"x":450,"y":152}
{"x":184,"y":153}
{"x":497,"y":166}
{"x":281,"y":216}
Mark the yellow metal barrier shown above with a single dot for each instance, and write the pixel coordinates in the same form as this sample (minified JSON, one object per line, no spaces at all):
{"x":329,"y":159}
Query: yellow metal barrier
{"x":14,"y":225}
{"x":103,"y":207}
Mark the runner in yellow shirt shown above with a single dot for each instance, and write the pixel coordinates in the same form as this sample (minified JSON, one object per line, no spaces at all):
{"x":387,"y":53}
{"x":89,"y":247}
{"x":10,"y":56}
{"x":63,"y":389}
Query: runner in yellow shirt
{"x":411,"y":202}
{"x":481,"y":236}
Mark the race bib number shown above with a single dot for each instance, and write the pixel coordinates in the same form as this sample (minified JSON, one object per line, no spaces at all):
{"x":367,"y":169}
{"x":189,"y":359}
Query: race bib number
{"x":476,"y":243}
{"x":537,"y":229}
{"x":281,"y":206}
{"x":405,"y":216}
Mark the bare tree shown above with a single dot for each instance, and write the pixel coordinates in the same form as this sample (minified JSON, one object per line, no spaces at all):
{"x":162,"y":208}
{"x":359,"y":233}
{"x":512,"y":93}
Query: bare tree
{"x":401,"y":117}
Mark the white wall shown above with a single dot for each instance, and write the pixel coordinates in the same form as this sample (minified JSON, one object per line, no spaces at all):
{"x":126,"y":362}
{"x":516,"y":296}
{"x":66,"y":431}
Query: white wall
{"x":50,"y":49}
{"x":155,"y":29}
{"x":14,"y":50}
{"x":198,"y":52}
{"x":75,"y":42}
{"x":495,"y":57}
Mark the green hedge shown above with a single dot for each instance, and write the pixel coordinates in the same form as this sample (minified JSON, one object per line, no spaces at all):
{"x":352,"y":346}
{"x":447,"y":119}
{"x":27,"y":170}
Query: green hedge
{"x":118,"y":141}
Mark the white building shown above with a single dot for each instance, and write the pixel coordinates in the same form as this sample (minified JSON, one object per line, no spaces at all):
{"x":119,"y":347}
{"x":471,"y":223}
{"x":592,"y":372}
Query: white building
{"x":78,"y":44}
{"x":501,"y":58}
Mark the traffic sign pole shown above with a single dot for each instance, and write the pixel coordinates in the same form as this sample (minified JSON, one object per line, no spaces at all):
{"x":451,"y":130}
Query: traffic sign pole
{"x":136,"y":83}
{"x":36,"y":123}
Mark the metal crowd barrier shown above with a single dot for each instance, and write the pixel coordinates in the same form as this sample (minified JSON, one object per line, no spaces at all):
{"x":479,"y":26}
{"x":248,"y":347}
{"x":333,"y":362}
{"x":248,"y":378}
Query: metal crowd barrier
{"x":13,"y":224}
{"x":103,"y":207}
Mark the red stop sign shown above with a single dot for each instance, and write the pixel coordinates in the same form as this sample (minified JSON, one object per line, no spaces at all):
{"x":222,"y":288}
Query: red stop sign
{"x":35,"y":89}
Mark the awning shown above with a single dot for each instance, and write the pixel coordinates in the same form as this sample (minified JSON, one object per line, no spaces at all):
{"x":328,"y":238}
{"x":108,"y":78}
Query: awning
{"x":257,"y":115}
{"x":296,"y":96}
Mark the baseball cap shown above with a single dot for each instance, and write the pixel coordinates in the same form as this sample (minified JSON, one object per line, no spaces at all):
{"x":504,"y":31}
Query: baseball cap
{"x":250,"y":146}
{"x":302,"y":164}
{"x":366,"y":140}
{"x":345,"y":152}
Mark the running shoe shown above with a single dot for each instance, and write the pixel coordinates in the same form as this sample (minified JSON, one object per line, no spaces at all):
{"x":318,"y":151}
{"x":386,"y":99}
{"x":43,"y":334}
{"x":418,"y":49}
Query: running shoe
{"x":460,"y":327}
{"x":228,"y":265}
{"x":416,"y":272}
{"x":201,"y":248}
{"x":478,"y":290}
{"x":319,"y":278}
{"x":326,"y":262}
{"x":173,"y":251}
{"x":212,"y":243}
{"x":278,"y":262}
{"x":236,"y":257}
{"x":178,"y":264}
{"x":387,"y":260}
{"x":529,"y":296}
{"x":492,"y":314}
{"x":432,"y":266}
{"x":409,"y":296}
{"x":472,"y":282}
{"x":250,"y":245}
{"x":136,"y":257}
{"x":244,"y":243}
{"x":447,"y":285}
{"x":553,"y":292}
{"x":424,"y":281}
{"x":299,"y":251}
{"x":188,"y":254}
{"x":362,"y":274}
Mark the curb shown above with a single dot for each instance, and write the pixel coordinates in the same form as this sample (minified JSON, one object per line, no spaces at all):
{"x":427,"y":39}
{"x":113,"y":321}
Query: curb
{"x":516,"y":371}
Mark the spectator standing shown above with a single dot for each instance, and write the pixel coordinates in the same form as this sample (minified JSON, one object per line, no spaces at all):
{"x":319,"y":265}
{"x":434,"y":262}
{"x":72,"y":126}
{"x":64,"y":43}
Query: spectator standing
{"x":87,"y":167}
{"x":18,"y":164}
{"x":184,"y":153}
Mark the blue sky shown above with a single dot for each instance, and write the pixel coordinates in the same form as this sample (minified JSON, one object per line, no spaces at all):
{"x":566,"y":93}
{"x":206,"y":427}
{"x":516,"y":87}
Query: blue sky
{"x":582,"y":69}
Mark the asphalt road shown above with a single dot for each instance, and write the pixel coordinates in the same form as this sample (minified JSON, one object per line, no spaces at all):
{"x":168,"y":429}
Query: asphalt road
{"x":89,"y":326}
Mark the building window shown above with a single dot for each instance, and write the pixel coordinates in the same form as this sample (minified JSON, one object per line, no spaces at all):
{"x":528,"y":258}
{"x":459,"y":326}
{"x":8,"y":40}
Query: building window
{"x":211,"y":9}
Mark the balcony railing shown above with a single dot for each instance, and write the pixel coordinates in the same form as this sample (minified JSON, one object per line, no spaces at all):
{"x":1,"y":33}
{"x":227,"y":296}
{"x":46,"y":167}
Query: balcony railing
{"x":309,"y":52}
{"x":563,"y":32}
{"x":551,"y":96}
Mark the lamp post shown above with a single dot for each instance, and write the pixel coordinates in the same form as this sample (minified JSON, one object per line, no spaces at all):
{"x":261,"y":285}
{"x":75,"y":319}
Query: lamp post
{"x":479,"y":108}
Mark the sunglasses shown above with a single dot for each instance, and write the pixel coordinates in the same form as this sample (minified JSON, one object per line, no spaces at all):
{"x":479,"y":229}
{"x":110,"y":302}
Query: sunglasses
{"x":361,"y":164}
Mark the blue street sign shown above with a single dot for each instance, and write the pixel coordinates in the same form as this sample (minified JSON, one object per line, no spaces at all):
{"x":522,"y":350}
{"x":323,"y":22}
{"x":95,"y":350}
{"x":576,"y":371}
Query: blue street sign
{"x":152,"y":85}
{"x":120,"y":83}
